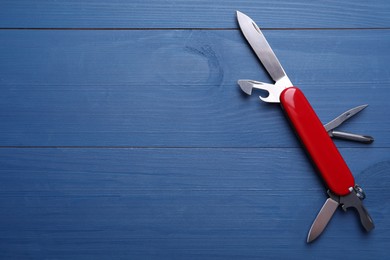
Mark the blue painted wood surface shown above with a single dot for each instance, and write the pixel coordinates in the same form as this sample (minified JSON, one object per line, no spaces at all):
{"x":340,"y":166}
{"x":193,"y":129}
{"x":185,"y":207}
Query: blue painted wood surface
{"x":192,"y":13}
{"x":72,"y":88}
{"x":138,"y":144}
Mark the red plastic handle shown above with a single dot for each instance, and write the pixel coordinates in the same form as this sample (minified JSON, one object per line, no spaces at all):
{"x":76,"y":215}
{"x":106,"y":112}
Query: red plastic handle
{"x":317,"y":142}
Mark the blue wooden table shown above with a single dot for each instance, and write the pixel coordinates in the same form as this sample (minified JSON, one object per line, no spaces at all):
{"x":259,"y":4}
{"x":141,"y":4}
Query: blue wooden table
{"x":124,"y":134}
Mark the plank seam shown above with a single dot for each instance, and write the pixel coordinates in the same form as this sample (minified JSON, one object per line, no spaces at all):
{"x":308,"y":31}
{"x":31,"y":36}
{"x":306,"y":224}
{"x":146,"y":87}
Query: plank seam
{"x":173,"y":147}
{"x":184,"y":29}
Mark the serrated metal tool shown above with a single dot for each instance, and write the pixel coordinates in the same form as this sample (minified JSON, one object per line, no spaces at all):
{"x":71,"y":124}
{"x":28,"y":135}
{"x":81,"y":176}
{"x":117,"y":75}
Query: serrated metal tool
{"x":315,"y":137}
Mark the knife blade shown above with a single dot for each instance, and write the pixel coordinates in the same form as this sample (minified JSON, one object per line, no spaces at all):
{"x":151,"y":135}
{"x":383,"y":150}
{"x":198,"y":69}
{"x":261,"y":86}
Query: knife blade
{"x":329,"y":127}
{"x":262,"y":49}
{"x":324,"y":216}
{"x":344,"y":116}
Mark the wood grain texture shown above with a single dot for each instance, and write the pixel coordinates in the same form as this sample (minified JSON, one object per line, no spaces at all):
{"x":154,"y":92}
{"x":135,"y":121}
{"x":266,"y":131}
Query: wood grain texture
{"x":164,"y":204}
{"x":178,"y":88}
{"x":124,"y":135}
{"x":193,"y":14}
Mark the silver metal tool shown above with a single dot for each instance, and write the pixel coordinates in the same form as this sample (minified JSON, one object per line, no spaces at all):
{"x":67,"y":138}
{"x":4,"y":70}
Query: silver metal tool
{"x":314,"y":136}
{"x":352,"y":200}
{"x":329,"y":127}
{"x":274,"y":92}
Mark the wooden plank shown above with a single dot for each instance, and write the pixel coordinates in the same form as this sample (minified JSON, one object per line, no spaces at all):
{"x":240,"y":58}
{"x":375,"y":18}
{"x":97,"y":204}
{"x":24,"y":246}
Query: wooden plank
{"x":178,"y":88}
{"x":163,"y":203}
{"x":150,"y":151}
{"x":193,"y":14}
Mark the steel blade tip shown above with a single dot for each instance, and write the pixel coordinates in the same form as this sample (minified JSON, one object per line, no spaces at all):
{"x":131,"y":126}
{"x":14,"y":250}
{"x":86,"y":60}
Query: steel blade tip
{"x":241,"y":16}
{"x":322,"y":219}
{"x":360,"y":108}
{"x":238,"y":13}
{"x":245,"y":86}
{"x":313,"y":234}
{"x":311,"y":237}
{"x":354,"y":111}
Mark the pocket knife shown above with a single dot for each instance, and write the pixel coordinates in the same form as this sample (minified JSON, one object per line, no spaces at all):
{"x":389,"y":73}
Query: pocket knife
{"x":314,"y":136}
